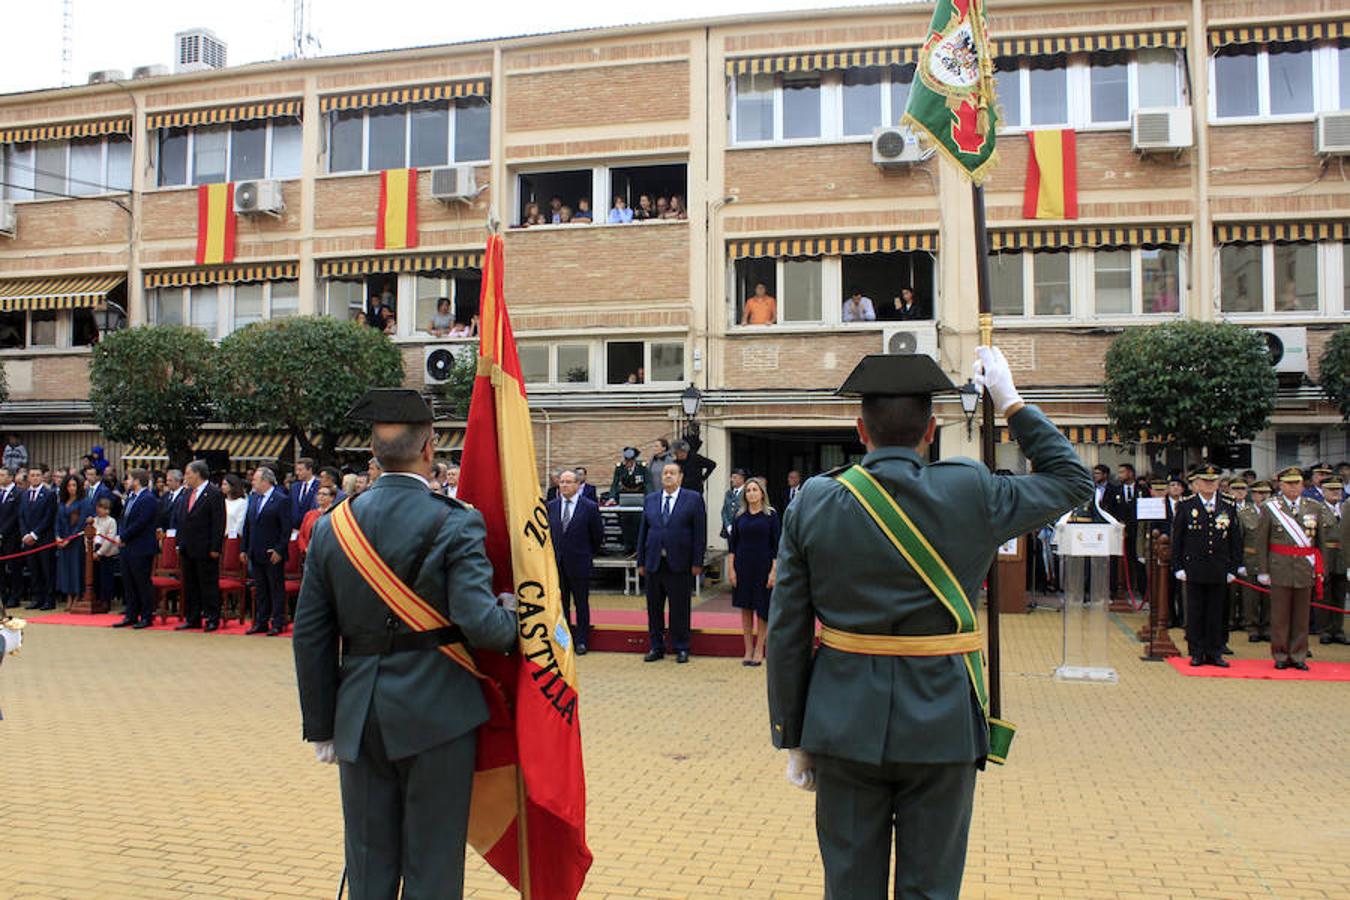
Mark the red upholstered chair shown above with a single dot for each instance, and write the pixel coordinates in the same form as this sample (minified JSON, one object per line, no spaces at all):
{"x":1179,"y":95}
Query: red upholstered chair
{"x":294,"y":571}
{"x":233,"y":582}
{"x":167,"y":580}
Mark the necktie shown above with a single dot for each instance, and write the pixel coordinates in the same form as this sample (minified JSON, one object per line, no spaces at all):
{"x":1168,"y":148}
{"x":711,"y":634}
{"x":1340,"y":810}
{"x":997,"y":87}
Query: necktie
{"x":665,"y":511}
{"x":567,"y":514}
{"x":192,"y":498}
{"x":32,"y":496}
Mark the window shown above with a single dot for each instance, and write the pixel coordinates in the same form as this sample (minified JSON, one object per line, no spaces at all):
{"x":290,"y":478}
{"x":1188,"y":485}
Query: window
{"x":533,"y":362}
{"x":80,"y":167}
{"x":1241,"y":285}
{"x":344,"y":299}
{"x":1050,"y":283}
{"x":1101,"y":89}
{"x":1295,"y":277}
{"x":805,"y":106}
{"x":1156,"y":73}
{"x":809,"y":290}
{"x":259,"y":301}
{"x":643,"y":362}
{"x":166,"y":306}
{"x":1110,"y":91}
{"x":1343,"y":70}
{"x":429,"y":134}
{"x":574,"y":363}
{"x":558,"y":365}
{"x":86,"y":167}
{"x":284,"y":299}
{"x":1277,"y":80}
{"x":558,"y":198}
{"x":862,"y":100}
{"x":1009,"y":84}
{"x":241,"y":151}
{"x":203,"y":309}
{"x":1274,"y":279}
{"x":1160,"y":269}
{"x":248,"y":305}
{"x":801,"y":107}
{"x":902,"y":78}
{"x":755,"y":96}
{"x":1042,"y":275}
{"x":883,"y":276}
{"x":1088,"y":284}
{"x":48,"y":329}
{"x":1049,"y":91}
{"x":667,"y":361}
{"x":802,"y":299}
{"x":1291,"y":80}
{"x":1112,"y":282}
{"x":19,"y":173}
{"x":1143,"y":281}
{"x":1005,"y":281}
{"x":50,"y":166}
{"x":42,"y":328}
{"x":461,"y":290}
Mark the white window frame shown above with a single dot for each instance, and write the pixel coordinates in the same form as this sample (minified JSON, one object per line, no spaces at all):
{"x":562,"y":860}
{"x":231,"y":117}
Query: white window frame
{"x":1325,"y":83}
{"x":646,"y":341}
{"x":1331,"y":284}
{"x":601,"y":181}
{"x":407,"y":308}
{"x":1087,"y":288}
{"x":31,"y":165}
{"x":831,"y":111}
{"x":225,"y":307}
{"x":327,"y":308}
{"x":227,"y":297}
{"x":190,"y":168}
{"x":831,"y":299}
{"x":65,"y":334}
{"x":556,"y":381}
{"x":407,"y":139}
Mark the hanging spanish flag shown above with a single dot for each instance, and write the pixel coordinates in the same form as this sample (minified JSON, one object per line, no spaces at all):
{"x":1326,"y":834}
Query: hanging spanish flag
{"x":396,"y":225}
{"x":215,"y":224}
{"x":1052,"y":176}
{"x":528,"y":809}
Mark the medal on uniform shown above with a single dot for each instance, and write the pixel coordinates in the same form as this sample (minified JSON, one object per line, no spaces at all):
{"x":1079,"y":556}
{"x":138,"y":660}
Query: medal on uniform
{"x":1221,"y":521}
{"x":1310,"y":525}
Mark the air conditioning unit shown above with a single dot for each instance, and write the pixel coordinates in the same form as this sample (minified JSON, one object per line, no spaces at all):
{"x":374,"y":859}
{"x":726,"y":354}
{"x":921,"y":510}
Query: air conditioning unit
{"x":1288,"y":349}
{"x":106,"y":76}
{"x":258,"y":197}
{"x":1161,"y":128}
{"x":198,"y":50}
{"x":895,"y":146}
{"x":7,"y":218}
{"x":910,"y":338}
{"x":151,"y":71}
{"x":438,"y":360}
{"x":454,"y":183}
{"x":1333,"y":133}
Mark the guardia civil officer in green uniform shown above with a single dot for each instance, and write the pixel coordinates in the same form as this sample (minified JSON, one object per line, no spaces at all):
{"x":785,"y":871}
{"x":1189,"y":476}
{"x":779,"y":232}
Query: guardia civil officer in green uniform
{"x":398,"y":716}
{"x":886,"y":721}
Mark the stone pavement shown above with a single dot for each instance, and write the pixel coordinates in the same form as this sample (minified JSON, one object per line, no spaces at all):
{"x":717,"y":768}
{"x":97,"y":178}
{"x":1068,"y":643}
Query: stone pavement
{"x":152,"y":764}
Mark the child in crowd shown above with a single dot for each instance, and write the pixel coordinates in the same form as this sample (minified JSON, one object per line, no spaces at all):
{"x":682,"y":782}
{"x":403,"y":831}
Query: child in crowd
{"x":106,"y":546}
{"x":620,"y":214}
{"x":582,"y":216}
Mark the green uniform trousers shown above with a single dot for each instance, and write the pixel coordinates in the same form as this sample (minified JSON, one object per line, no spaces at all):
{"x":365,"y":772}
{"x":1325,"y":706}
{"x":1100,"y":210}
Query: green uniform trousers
{"x":1289,"y":609}
{"x":1328,"y":622}
{"x":1256,"y":611}
{"x":926,"y":806}
{"x":407,"y":818}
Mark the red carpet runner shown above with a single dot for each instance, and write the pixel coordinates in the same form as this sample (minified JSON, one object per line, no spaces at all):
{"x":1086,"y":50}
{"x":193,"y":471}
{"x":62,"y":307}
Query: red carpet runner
{"x":105,"y":620}
{"x":1264,"y":668}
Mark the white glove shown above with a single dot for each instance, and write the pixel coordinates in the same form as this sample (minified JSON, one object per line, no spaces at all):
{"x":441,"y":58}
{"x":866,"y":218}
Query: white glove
{"x":324,"y":752}
{"x":1181,"y":575}
{"x":10,"y":641}
{"x":801,"y":770}
{"x":993,"y":373}
{"x":1263,"y":579}
{"x":508,"y":601}
{"x":1242,"y":570}
{"x":1229,"y":579}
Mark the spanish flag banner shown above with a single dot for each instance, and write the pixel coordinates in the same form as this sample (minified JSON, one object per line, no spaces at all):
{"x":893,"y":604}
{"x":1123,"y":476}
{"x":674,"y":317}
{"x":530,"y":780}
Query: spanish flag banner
{"x":1052,"y":176}
{"x":396,"y":224}
{"x":215,"y":224}
{"x":528,"y":814}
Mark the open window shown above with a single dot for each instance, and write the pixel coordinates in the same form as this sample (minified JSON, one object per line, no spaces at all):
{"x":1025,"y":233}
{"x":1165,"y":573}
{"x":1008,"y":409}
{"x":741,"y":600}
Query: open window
{"x":543,"y":196}
{"x":662,"y":186}
{"x":885,"y":277}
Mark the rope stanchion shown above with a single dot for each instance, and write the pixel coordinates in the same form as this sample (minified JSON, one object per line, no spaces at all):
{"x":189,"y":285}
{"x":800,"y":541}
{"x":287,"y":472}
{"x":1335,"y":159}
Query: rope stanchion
{"x":1266,"y":590}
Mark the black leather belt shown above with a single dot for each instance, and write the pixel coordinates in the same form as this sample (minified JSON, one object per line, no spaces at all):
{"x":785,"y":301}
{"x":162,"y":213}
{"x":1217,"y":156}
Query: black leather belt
{"x":391,"y":642}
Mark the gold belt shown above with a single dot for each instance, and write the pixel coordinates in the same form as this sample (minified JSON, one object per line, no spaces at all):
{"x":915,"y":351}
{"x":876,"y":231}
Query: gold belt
{"x":902,"y":644}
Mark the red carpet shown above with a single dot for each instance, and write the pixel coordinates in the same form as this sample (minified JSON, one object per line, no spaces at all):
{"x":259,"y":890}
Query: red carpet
{"x":105,"y":620}
{"x":1264,"y":668}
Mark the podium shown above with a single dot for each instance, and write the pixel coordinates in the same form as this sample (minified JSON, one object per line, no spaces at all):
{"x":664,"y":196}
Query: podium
{"x":1012,"y":576}
{"x":1085,"y":550}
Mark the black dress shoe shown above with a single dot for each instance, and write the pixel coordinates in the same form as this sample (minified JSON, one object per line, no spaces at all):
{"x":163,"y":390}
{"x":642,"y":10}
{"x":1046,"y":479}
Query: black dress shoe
{"x":1253,"y":638}
{"x":654,"y":656}
{"x":1326,"y":638}
{"x":1227,"y":650}
{"x":1282,"y":664}
{"x":1197,"y":662}
{"x":32,"y":606}
{"x":211,"y":626}
{"x":139,"y":625}
{"x":187,"y":626}
{"x":682,"y":656}
{"x":273,"y":632}
{"x":1301,"y":666}
{"x":123,"y":624}
{"x":581,"y":649}
{"x":256,"y":629}
{"x":1218,"y":660}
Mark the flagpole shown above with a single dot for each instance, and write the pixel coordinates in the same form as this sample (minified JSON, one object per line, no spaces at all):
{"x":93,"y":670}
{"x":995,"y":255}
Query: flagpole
{"x":522,"y":832}
{"x":987,"y":435}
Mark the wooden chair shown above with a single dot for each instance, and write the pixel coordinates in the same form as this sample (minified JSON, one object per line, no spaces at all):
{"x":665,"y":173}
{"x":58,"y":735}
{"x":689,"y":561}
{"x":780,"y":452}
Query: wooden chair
{"x":233,"y":582}
{"x":167,"y":580}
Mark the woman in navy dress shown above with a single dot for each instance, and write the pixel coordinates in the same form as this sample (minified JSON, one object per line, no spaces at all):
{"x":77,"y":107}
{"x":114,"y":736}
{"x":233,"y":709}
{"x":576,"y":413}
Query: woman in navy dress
{"x":71,"y":514}
{"x":752,"y":563}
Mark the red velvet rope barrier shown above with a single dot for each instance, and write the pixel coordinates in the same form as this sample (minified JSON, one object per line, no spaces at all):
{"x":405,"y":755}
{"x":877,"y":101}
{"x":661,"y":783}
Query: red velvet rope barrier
{"x":1266,"y":590}
{"x":59,"y":542}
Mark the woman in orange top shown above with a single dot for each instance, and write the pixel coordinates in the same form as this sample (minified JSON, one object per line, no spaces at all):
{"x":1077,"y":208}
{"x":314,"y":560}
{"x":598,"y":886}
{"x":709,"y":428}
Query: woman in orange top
{"x":322,"y":501}
{"x":761,"y":309}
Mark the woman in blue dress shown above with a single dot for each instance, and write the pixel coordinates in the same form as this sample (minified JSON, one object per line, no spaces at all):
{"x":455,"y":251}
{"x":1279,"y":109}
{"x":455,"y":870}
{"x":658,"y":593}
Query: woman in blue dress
{"x":752,"y":563}
{"x":71,"y":514}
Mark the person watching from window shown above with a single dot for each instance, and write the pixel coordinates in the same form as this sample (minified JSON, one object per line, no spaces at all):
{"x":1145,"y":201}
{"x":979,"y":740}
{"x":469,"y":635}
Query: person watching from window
{"x":904,"y":307}
{"x":644,"y":210}
{"x":662,"y":208}
{"x":554,"y":214}
{"x":583,"y":212}
{"x":391,"y":326}
{"x":761,"y":308}
{"x":677,"y":208}
{"x":620,"y":214}
{"x":858,"y":308}
{"x":565,"y":216}
{"x":381,"y":309}
{"x":532,"y":216}
{"x":442,"y":321}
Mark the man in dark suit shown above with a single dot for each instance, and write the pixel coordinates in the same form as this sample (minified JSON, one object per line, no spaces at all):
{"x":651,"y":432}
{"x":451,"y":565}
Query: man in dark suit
{"x":263,"y":543}
{"x":731,"y":501}
{"x":794,"y":482}
{"x":95,"y":489}
{"x":671,"y":543}
{"x":37,"y":524}
{"x":304,"y":491}
{"x":1206,"y":553}
{"x":574,"y":521}
{"x":1121,"y":502}
{"x":201,"y":534}
{"x":168,"y":501}
{"x":137,"y":556}
{"x":694,"y":467}
{"x":9,"y":537}
{"x":585,"y":488}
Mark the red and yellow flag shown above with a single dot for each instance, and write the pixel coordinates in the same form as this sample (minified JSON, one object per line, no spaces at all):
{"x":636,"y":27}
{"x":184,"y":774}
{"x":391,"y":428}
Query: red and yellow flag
{"x":528,"y":815}
{"x":215,"y":224}
{"x":1052,"y":176}
{"x":396,"y":224}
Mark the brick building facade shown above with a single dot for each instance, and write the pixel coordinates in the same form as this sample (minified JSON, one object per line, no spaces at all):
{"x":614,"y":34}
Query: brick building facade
{"x":763,"y":126}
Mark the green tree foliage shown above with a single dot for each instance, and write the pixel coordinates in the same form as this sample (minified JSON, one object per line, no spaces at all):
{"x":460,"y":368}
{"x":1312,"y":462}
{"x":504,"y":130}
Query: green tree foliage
{"x":301,"y":375}
{"x":1191,"y":384}
{"x":457,"y":389}
{"x":1335,"y":370}
{"x":153,"y":386}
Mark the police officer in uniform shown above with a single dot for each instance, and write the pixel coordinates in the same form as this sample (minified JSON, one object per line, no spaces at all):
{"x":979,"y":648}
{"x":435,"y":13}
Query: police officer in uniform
{"x":885,"y":721}
{"x":630,"y":477}
{"x":1293,"y":532}
{"x":399,"y":717}
{"x":1255,"y":604}
{"x":1206,"y":554}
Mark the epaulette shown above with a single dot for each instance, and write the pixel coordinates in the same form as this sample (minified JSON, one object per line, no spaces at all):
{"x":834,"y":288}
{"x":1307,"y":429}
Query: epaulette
{"x":453,"y":501}
{"x":836,"y":471}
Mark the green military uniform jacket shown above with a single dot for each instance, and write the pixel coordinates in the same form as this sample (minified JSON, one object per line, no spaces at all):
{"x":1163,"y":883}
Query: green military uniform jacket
{"x":1335,"y":558}
{"x":422,"y":699}
{"x":834,"y":563}
{"x":1249,"y":516}
{"x":1318,"y":524}
{"x":628,"y":481}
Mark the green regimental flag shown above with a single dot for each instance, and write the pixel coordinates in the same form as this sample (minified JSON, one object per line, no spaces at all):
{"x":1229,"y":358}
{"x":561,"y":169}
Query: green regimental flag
{"x":953,"y":97}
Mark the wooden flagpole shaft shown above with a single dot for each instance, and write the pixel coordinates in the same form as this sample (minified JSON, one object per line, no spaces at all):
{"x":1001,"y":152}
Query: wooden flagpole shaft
{"x":987,"y":437}
{"x":522,"y":832}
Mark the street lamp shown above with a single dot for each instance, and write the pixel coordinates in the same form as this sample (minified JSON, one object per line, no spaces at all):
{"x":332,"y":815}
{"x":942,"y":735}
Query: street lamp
{"x":970,"y":399}
{"x":109,"y":318}
{"x":691,"y":399}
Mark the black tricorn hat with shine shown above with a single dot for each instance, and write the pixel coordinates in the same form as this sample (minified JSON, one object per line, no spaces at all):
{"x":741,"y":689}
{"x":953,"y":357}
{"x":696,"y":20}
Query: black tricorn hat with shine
{"x":897,"y":375}
{"x":395,"y":405}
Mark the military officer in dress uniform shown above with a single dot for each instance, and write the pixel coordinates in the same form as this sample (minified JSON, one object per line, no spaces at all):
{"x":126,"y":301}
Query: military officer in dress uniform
{"x":1255,"y":604}
{"x":1206,"y":554}
{"x":398,"y":716}
{"x":1293,"y":539}
{"x":886,"y":721}
{"x":1332,"y":624}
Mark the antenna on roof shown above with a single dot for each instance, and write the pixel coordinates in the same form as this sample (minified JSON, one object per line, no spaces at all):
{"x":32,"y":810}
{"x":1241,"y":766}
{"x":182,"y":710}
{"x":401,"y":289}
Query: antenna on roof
{"x":67,"y":40}
{"x":303,"y":41}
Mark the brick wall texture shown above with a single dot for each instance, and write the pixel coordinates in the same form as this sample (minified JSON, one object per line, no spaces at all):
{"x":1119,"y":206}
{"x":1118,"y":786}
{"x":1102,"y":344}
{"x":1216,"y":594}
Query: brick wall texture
{"x":606,"y":95}
{"x":598,"y":263}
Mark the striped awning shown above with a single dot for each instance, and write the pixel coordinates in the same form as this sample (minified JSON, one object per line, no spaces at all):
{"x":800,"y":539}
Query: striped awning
{"x":60,"y":131}
{"x":244,"y":446}
{"x":444,"y":440}
{"x":478,"y":87}
{"x":421,"y":262}
{"x":281,"y":271}
{"x":823,"y":61}
{"x":70,"y":292}
{"x":1077,"y":434}
{"x":1264,"y":232}
{"x":145,"y":453}
{"x":1050,"y":45}
{"x":834,"y":246}
{"x":1278,"y":34}
{"x":1069,"y":238}
{"x":219,"y":115}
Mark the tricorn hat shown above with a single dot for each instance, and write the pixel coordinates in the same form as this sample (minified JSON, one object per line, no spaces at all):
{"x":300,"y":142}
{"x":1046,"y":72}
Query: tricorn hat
{"x":394,"y":405}
{"x":897,"y":375}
